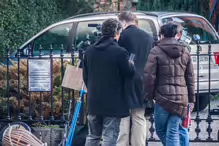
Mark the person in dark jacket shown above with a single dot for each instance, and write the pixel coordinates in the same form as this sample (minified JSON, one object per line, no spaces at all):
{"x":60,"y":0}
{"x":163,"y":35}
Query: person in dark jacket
{"x":106,"y":68}
{"x":138,"y":42}
{"x":169,"y":79}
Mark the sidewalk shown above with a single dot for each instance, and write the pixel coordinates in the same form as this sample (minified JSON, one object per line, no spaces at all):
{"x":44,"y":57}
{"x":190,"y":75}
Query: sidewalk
{"x":191,"y":144}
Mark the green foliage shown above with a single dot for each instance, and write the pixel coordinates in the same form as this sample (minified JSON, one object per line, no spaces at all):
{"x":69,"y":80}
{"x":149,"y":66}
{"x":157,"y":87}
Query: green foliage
{"x":195,"y":6}
{"x":216,"y":97}
{"x":21,"y":19}
{"x":34,"y":98}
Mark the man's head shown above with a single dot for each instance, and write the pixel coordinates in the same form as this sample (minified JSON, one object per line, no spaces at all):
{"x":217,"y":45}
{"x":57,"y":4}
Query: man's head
{"x":128,"y":18}
{"x":171,"y":30}
{"x":136,"y":20}
{"x":111,"y":28}
{"x":179,"y":30}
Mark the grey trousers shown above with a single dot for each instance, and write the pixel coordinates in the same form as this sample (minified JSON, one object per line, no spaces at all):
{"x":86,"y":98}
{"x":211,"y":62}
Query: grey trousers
{"x":100,"y":127}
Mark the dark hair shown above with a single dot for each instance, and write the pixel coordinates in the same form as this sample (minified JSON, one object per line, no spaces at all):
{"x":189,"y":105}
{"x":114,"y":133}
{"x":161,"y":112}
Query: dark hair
{"x":111,"y":27}
{"x":179,"y":26}
{"x":169,"y":30}
{"x":127,"y":17}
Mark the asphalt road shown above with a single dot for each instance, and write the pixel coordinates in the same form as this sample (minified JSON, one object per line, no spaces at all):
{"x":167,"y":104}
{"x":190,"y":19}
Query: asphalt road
{"x":191,"y":144}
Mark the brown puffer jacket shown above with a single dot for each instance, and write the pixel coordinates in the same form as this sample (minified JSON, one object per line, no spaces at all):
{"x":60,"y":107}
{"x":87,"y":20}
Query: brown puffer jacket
{"x":169,"y":76}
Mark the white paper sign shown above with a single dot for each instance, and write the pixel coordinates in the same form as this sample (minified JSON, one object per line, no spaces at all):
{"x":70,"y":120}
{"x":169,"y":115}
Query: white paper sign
{"x":39,"y":75}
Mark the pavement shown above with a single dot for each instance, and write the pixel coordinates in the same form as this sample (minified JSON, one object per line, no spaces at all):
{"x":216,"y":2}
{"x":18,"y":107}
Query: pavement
{"x":191,"y":144}
{"x":203,"y":135}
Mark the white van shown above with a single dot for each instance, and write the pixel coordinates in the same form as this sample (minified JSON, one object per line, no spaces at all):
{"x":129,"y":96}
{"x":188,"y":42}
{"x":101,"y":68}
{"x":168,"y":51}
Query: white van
{"x":72,"y":31}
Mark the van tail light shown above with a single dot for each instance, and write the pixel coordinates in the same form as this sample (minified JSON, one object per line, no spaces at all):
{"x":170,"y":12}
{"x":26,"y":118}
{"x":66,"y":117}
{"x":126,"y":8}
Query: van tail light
{"x":216,"y":56}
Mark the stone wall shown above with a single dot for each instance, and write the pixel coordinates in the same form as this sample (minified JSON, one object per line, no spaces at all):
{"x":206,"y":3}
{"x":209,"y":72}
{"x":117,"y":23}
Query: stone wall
{"x":52,"y":136}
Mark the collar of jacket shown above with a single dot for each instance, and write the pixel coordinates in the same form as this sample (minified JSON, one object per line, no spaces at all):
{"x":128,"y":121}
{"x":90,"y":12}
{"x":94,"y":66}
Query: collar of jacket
{"x":105,"y":38}
{"x":104,"y":42}
{"x":130,"y":26}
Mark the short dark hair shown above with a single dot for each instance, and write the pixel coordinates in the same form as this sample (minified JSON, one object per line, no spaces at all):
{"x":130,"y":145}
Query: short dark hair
{"x":127,"y":17}
{"x":111,"y":27}
{"x":179,"y":26}
{"x":169,"y":30}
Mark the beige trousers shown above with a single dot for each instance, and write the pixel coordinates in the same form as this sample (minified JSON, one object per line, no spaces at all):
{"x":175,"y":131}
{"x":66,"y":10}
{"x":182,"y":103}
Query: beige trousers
{"x":138,"y":130}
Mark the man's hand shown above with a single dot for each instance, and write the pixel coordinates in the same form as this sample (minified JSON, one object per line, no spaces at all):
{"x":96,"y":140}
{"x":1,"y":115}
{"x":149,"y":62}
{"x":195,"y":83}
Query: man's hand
{"x":154,"y":101}
{"x":131,"y":62}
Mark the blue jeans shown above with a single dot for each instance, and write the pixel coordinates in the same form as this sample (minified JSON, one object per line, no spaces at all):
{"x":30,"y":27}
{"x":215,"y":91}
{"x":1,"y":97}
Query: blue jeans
{"x":102,"y":127}
{"x":184,"y":136}
{"x":167,"y":126}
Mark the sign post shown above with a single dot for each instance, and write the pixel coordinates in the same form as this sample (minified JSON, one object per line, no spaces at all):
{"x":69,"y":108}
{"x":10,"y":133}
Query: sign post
{"x":39,"y":75}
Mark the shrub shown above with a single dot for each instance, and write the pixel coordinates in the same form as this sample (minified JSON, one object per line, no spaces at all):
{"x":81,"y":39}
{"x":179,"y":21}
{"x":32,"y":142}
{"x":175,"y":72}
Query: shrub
{"x":21,"y":19}
{"x":32,"y":99}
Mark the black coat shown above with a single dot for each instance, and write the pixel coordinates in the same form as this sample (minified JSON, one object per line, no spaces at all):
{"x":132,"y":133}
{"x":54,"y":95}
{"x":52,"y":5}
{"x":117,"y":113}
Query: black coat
{"x":138,"y":42}
{"x":105,"y":70}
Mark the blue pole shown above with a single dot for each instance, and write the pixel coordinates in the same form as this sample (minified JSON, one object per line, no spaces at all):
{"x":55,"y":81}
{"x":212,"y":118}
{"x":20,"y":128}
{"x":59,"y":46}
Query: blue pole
{"x":75,"y":119}
{"x":74,"y":126}
{"x":77,"y":109}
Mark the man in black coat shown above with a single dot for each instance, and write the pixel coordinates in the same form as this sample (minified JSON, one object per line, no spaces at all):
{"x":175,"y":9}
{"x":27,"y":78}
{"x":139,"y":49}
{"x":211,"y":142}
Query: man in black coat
{"x":137,"y":42}
{"x":105,"y":71}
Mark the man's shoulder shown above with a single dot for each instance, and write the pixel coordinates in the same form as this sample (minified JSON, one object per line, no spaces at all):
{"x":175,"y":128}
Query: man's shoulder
{"x":115,"y":47}
{"x":89,"y":50}
{"x":145,"y":34}
{"x":131,"y":29}
{"x":136,"y":31}
{"x":121,"y":49}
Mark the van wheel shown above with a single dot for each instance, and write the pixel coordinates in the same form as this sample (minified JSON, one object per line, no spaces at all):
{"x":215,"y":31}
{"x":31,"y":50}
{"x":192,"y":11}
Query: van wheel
{"x":203,"y":102}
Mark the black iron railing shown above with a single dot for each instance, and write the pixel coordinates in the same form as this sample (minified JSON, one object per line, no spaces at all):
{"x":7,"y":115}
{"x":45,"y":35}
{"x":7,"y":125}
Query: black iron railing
{"x":19,"y":104}
{"x":11,"y":112}
{"x":212,"y":114}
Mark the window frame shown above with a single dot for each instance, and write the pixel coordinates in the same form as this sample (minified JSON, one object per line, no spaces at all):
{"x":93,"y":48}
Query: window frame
{"x":151,"y":21}
{"x":31,"y":44}
{"x":197,"y":16}
{"x":76,"y":29}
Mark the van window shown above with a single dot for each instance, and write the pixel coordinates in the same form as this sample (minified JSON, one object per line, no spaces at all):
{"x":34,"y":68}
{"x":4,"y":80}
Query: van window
{"x":56,"y":36}
{"x":148,"y":26}
{"x":87,"y":29}
{"x":194,"y":25}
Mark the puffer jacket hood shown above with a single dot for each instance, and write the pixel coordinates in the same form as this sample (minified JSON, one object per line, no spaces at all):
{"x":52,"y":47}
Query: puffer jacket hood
{"x":171,"y":47}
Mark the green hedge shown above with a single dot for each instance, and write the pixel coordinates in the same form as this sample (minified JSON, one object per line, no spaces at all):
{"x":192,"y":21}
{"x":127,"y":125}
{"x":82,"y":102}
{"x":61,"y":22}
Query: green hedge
{"x":21,"y":19}
{"x":196,"y":6}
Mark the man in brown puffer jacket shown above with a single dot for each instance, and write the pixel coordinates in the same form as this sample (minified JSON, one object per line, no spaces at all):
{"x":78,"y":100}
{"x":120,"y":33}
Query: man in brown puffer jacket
{"x":169,"y":79}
